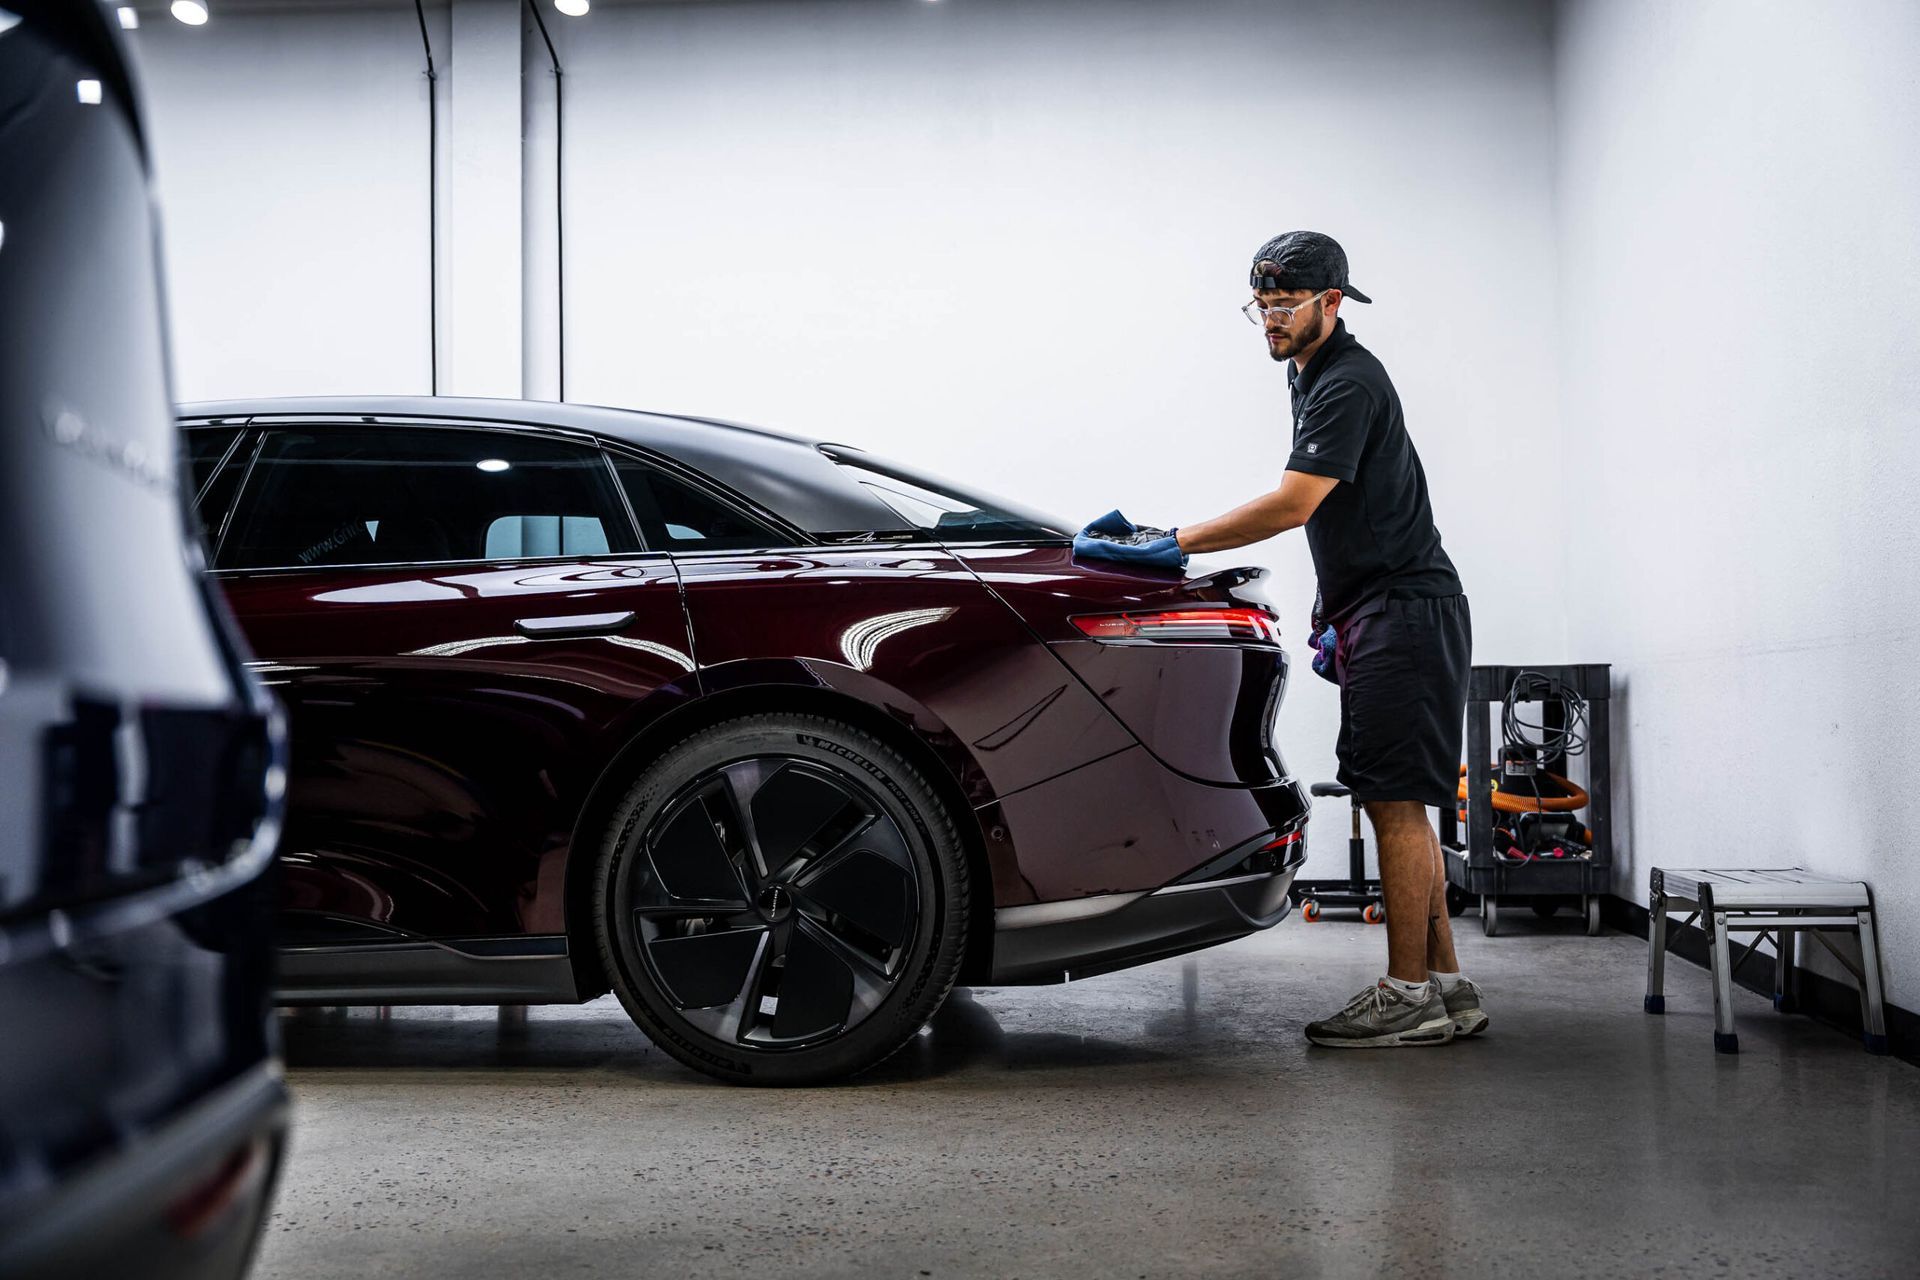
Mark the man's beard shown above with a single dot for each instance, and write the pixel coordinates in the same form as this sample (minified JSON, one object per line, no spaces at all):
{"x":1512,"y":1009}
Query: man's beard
{"x":1292,"y":342}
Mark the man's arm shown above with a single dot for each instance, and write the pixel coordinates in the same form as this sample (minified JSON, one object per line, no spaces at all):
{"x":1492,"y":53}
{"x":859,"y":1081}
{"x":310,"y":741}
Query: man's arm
{"x":1287,"y":507}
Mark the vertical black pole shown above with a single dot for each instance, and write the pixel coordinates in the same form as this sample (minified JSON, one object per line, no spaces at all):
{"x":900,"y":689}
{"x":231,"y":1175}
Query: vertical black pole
{"x":433,"y":209}
{"x":559,"y":190}
{"x":1600,"y":769}
{"x":1479,"y":770}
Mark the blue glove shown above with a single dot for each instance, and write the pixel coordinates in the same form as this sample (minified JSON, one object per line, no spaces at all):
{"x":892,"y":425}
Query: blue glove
{"x":1114,"y":537}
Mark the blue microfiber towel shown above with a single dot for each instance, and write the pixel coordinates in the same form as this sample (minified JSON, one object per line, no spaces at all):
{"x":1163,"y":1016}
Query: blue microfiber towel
{"x":1325,"y":641}
{"x":1114,"y":537}
{"x":1113,"y":525}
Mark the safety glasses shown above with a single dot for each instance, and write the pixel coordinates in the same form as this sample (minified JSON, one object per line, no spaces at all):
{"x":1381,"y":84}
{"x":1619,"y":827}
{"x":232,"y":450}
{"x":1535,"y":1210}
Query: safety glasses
{"x":1258,"y":314}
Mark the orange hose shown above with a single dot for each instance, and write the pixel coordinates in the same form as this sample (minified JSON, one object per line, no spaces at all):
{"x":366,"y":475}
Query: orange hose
{"x":1507,"y":802}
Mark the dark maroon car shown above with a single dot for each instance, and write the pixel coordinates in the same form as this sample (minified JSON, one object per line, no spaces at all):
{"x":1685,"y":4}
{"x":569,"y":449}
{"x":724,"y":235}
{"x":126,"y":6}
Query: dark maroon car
{"x":774,"y":738}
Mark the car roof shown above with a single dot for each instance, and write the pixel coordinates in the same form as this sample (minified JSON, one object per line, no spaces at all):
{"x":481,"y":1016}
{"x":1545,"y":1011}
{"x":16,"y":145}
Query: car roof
{"x":786,"y":474}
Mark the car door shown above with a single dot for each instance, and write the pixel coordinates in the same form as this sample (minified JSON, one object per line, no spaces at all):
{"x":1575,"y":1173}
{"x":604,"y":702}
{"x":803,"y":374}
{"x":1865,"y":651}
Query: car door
{"x":457,"y":618}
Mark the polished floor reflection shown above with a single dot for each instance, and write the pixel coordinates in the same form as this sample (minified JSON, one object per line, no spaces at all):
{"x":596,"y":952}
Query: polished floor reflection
{"x":1165,"y":1121}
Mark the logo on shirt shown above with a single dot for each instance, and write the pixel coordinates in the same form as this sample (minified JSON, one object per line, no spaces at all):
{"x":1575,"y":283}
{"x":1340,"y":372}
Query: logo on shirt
{"x":1314,"y":447}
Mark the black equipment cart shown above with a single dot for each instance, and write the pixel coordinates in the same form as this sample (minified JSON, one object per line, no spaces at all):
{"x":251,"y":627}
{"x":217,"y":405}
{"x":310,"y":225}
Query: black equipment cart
{"x":1476,"y":866}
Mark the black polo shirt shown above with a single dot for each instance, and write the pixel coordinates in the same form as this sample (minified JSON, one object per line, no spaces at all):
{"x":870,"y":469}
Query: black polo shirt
{"x":1372,"y":536}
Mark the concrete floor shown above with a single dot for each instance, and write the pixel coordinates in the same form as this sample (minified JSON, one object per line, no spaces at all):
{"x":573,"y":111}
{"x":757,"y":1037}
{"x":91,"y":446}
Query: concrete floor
{"x":1169,"y":1121}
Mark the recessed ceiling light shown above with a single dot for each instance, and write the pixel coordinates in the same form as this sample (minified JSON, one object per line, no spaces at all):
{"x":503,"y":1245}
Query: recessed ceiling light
{"x":493,"y":464}
{"x":572,"y":8}
{"x":191,"y":12}
{"x":129,"y":18}
{"x":88,"y":91}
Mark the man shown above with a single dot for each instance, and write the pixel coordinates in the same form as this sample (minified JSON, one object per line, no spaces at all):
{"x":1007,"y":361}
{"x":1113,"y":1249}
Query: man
{"x":1401,"y":632}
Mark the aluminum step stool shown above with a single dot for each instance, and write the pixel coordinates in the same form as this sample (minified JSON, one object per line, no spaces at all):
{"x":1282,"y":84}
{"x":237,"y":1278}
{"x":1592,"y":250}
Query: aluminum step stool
{"x":1777,"y":903}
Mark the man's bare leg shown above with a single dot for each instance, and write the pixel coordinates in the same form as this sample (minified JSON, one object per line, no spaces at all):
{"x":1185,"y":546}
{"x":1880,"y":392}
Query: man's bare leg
{"x":1402,"y":1008}
{"x":1461,"y":997}
{"x":1410,"y":876}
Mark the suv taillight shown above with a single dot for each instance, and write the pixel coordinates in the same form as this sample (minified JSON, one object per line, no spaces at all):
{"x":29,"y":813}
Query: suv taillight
{"x":1181,"y":626}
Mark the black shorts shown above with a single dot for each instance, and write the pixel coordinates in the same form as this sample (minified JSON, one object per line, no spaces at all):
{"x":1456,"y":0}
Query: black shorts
{"x":1403,"y":699}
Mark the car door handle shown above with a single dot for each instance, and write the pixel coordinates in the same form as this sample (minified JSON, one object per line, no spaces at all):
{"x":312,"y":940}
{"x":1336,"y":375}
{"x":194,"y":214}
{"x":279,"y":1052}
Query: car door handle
{"x":574,"y":624}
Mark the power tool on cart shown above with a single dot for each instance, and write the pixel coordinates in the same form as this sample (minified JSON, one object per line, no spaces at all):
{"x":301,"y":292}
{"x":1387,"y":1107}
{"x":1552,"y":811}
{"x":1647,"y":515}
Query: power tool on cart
{"x":1536,"y":809}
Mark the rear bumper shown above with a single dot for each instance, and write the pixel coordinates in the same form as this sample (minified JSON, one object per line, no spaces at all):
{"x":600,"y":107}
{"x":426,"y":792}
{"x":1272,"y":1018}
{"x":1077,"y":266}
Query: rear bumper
{"x":1058,"y":941}
{"x":125,"y":1216}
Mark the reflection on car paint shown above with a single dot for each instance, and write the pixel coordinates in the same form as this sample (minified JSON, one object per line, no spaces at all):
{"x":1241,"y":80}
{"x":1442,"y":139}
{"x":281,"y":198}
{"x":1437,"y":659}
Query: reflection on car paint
{"x":860,"y":641}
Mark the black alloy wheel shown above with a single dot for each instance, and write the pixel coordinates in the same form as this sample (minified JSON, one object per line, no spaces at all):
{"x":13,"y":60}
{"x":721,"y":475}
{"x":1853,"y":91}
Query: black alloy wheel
{"x":781,"y":900}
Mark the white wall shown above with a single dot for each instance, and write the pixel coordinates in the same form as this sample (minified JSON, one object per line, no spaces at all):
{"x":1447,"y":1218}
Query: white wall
{"x":290,"y":151}
{"x":1738,"y":187}
{"x":1004,"y":238}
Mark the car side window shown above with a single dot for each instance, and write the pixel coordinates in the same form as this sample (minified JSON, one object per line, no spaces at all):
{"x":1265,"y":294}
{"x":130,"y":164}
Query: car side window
{"x":214,"y":468}
{"x":206,"y":446}
{"x":676,"y":516}
{"x":403,"y":495}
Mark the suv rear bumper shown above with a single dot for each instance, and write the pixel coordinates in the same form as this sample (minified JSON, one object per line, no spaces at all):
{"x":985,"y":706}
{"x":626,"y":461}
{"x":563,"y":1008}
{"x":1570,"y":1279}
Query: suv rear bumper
{"x":124,"y":1216}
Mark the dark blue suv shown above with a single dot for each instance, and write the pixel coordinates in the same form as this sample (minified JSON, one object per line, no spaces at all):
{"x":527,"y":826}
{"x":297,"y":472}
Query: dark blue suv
{"x":141,"y":1107}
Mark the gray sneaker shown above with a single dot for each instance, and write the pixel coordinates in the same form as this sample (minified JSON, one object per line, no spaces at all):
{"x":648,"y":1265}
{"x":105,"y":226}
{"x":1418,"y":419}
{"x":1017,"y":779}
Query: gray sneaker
{"x":1381,"y":1017}
{"x":1463,"y":1006}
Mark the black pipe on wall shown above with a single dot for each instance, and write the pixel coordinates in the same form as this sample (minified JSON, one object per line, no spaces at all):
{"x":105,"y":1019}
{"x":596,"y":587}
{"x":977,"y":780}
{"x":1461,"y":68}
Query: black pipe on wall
{"x":559,"y":193}
{"x":433,"y":208}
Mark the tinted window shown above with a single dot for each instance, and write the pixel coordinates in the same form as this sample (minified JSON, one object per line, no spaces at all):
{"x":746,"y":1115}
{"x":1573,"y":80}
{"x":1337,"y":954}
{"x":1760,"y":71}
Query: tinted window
{"x":205,"y":447}
{"x":212,"y":457}
{"x":398,"y":496}
{"x":945,"y":512}
{"x":675,"y":516}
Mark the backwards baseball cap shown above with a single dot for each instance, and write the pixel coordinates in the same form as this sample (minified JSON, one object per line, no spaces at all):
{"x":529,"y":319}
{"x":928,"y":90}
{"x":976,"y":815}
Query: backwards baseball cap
{"x":1303,"y":260}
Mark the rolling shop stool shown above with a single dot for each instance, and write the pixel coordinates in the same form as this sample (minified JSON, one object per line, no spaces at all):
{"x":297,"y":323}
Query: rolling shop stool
{"x":1780,"y":903}
{"x":1356,"y":890}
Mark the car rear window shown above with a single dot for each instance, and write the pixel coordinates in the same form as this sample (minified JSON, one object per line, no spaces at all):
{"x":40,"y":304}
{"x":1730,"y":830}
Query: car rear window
{"x":675,"y":516}
{"x":945,"y":511}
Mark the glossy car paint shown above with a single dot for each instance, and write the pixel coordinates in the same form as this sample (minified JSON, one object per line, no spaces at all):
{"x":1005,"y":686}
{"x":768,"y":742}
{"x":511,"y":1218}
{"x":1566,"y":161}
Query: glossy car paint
{"x":440,"y":752}
{"x":448,"y":767}
{"x":1204,"y":710}
{"x":914,"y":629}
{"x":137,"y":820}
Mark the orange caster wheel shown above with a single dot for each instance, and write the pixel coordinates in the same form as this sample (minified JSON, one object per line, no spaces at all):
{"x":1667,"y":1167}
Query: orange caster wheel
{"x":1374,"y":913}
{"x":1309,"y":910}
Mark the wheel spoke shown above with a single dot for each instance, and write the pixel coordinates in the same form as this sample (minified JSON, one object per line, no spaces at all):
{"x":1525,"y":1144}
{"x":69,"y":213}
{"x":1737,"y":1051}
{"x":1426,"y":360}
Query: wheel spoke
{"x":742,"y":781}
{"x":796,"y":809}
{"x":805,"y":867}
{"x":870,"y":981}
{"x":729,"y":914}
{"x":710,"y":970}
{"x":690,"y":860}
{"x":817,"y":989}
{"x":861,"y":961}
{"x":868,"y":892}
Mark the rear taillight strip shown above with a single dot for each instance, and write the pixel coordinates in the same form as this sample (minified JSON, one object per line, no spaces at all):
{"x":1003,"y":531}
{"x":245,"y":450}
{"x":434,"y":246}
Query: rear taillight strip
{"x":1181,"y":626}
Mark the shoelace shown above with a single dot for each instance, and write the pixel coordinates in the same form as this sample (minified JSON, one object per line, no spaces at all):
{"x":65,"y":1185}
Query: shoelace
{"x":1374,"y":999}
